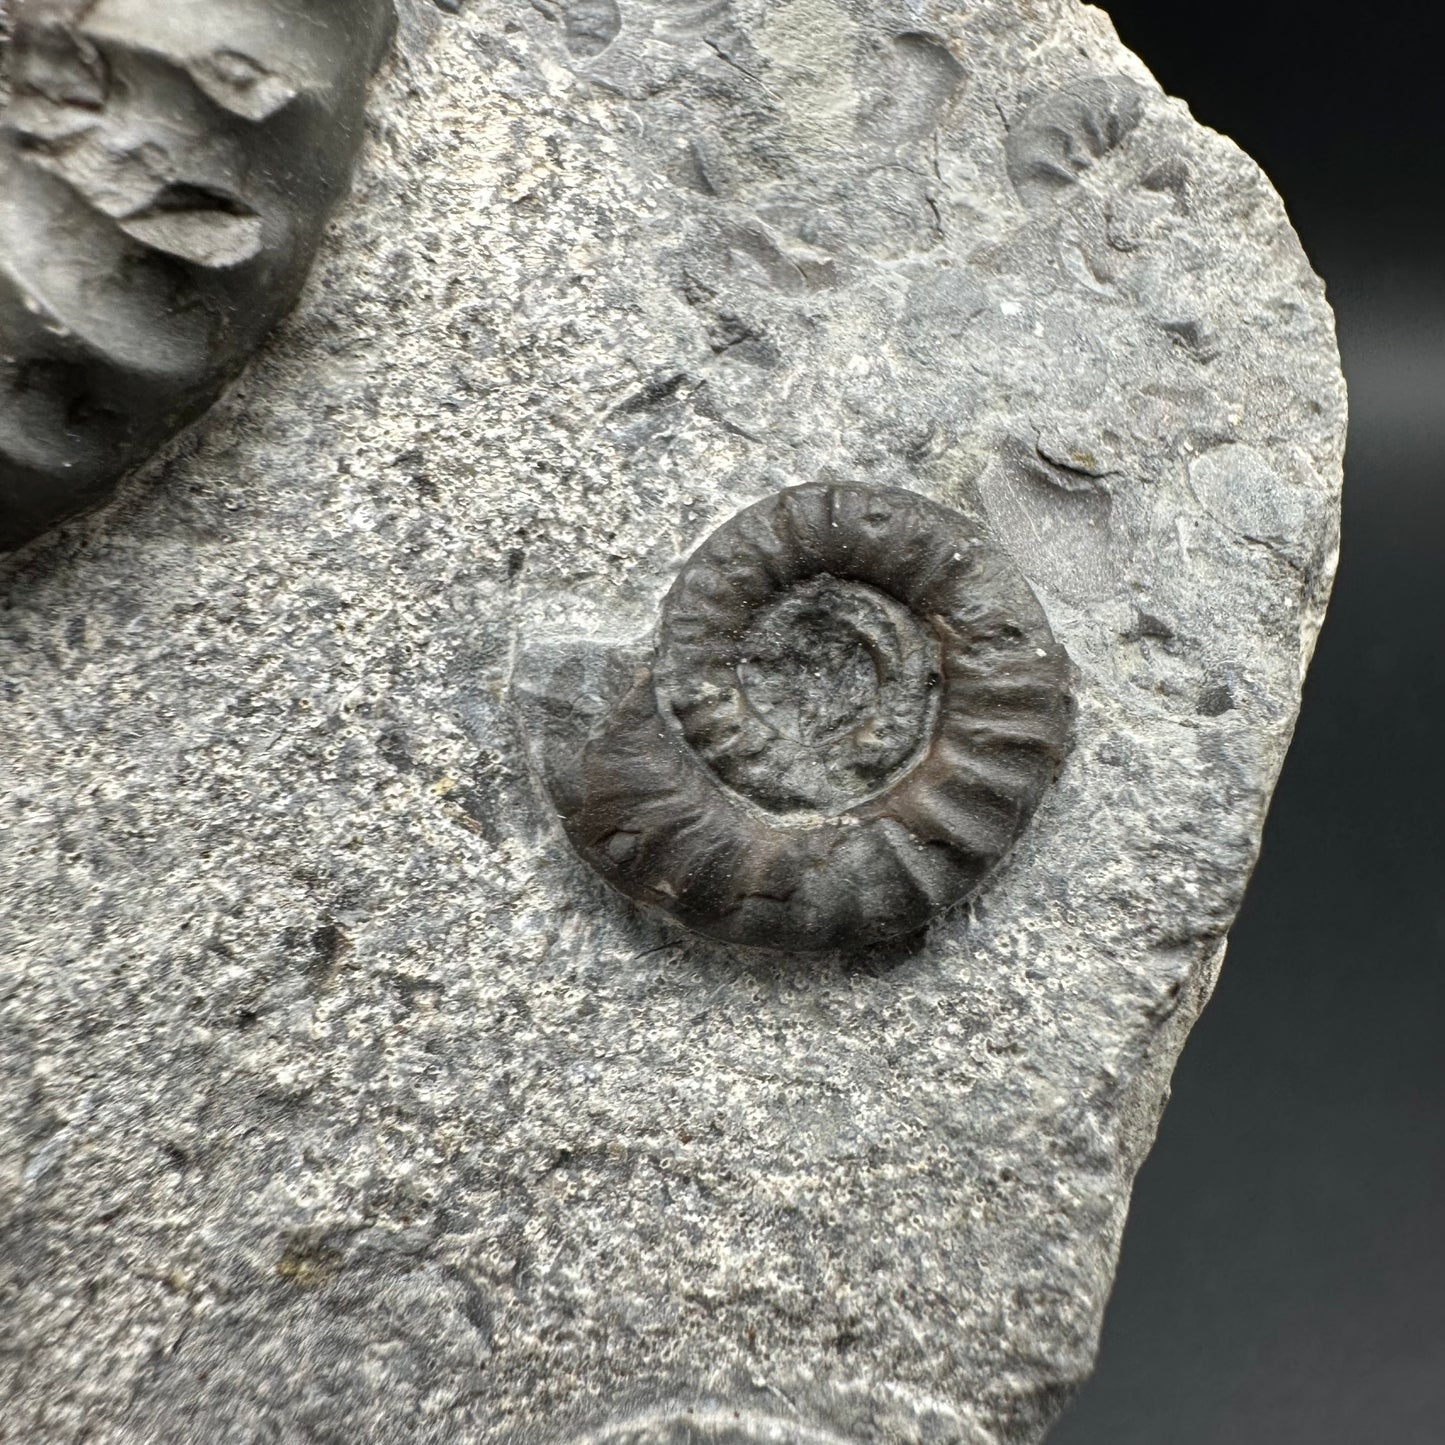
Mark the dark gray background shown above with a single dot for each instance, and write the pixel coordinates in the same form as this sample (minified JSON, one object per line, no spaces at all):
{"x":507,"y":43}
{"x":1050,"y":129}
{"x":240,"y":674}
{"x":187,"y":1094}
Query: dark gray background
{"x":1283,"y":1276}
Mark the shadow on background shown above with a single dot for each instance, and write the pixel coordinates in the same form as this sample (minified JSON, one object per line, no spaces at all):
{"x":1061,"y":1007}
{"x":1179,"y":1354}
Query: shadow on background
{"x":1283,"y":1272}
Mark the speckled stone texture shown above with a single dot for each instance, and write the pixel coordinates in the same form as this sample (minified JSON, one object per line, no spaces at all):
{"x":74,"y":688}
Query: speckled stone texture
{"x":343,"y":1102}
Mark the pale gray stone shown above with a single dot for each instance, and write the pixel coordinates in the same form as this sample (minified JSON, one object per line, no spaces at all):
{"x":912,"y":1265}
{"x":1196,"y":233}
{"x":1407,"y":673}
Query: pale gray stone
{"x":344,"y":1102}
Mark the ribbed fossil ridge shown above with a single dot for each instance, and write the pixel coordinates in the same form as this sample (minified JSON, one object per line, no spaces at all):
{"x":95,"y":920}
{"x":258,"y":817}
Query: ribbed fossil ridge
{"x":166,"y":169}
{"x":676,"y":807}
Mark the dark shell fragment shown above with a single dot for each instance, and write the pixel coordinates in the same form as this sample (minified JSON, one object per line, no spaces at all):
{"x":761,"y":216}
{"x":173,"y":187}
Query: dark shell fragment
{"x":166,"y":170}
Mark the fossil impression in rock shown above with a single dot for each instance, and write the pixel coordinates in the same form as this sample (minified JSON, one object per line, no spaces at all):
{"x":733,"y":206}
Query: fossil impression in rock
{"x":855,"y":705}
{"x":343,"y":1099}
{"x":166,"y":170}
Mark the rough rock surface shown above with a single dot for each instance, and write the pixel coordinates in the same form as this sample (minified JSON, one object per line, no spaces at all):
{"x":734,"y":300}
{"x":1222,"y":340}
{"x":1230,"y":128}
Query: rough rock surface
{"x":343,"y":1102}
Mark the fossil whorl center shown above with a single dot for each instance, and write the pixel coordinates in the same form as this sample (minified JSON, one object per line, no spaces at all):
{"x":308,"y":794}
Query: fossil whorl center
{"x":166,"y":170}
{"x":854,"y":708}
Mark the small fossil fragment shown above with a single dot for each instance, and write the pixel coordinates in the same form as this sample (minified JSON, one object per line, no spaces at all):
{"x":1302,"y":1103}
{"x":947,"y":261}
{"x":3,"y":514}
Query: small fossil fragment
{"x":854,"y":707}
{"x":1068,"y":131}
{"x":166,"y":169}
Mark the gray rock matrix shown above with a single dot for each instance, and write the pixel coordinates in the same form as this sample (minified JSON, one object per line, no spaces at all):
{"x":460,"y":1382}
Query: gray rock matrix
{"x":343,"y":1101}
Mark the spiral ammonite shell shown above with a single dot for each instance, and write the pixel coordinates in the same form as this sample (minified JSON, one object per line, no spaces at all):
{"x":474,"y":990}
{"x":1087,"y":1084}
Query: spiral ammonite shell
{"x":855,"y":705}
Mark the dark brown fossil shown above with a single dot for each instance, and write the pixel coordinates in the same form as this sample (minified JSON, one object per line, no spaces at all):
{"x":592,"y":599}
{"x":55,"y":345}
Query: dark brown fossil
{"x":166,"y":169}
{"x":854,"y":706}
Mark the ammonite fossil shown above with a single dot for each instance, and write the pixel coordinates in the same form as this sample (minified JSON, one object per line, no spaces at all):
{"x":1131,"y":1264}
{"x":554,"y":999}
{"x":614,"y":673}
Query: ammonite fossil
{"x":166,"y":169}
{"x":854,"y":706}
